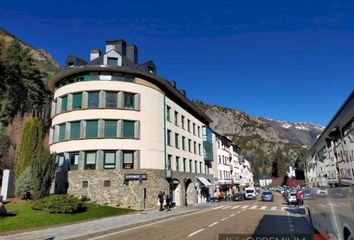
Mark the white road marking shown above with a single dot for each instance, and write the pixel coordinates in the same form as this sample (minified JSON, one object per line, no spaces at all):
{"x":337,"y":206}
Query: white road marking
{"x":253,"y":207}
{"x":263,"y":207}
{"x":241,"y":210}
{"x":226,"y":207}
{"x":273,"y":208}
{"x":246,"y":206}
{"x":322,"y":205}
{"x":232,"y":215}
{"x":219,"y":207}
{"x":224,"y":218}
{"x":283,"y":208}
{"x":343,"y":204}
{"x":214,"y":223}
{"x":196,"y":232}
{"x":235,"y":207}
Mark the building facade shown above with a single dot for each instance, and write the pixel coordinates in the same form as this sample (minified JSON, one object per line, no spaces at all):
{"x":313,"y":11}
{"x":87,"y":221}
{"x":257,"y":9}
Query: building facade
{"x":122,"y":133}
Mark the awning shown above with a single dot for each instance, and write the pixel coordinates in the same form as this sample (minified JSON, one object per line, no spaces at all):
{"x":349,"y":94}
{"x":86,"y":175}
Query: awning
{"x":204,"y":181}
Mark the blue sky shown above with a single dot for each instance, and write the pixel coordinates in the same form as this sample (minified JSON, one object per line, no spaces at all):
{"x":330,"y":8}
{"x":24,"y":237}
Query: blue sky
{"x":286,"y":60}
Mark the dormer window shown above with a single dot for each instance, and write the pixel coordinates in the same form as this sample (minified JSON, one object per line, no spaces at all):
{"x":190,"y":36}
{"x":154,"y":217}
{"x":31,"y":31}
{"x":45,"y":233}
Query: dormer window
{"x":151,"y":70}
{"x":112,"y":61}
{"x":70,"y":64}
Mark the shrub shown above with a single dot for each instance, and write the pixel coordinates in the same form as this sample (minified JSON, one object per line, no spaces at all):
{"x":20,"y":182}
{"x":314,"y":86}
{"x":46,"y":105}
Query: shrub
{"x":23,"y":184}
{"x":59,"y":204}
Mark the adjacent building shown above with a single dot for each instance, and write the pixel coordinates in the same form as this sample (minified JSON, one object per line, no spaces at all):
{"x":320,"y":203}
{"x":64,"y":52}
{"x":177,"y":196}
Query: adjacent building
{"x":122,"y":133}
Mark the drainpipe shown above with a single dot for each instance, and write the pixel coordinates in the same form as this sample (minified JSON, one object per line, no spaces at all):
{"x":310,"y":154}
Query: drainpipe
{"x":164,"y":129}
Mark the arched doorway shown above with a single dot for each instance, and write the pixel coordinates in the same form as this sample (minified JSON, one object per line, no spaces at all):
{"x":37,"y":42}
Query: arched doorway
{"x":186,"y":182}
{"x":176,"y":192}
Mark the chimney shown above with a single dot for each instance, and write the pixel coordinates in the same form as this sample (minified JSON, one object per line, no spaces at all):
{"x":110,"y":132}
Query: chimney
{"x":132,"y":53}
{"x":183,"y":92}
{"x":118,"y":45}
{"x":95,"y":53}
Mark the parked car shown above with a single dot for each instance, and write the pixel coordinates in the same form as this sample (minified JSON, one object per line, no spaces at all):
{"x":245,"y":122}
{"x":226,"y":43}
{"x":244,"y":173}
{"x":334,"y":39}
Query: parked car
{"x":267,"y":196}
{"x":307,"y":194}
{"x":250,"y":193}
{"x":237,"y":197}
{"x":291,"y":198}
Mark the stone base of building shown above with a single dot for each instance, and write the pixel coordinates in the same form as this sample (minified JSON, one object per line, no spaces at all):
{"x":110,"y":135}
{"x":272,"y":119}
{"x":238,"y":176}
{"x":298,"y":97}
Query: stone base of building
{"x":111,"y":187}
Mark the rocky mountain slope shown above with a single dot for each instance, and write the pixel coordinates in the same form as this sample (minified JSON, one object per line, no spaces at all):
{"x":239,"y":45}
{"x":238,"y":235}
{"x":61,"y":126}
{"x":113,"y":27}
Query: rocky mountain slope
{"x":44,"y":61}
{"x":260,"y":138}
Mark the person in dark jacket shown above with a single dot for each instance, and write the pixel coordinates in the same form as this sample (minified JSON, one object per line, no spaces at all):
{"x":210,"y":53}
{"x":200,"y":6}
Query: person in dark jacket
{"x":161,"y":199}
{"x":168,"y":202}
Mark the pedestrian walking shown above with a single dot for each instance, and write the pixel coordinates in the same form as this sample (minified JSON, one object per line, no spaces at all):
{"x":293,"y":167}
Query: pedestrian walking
{"x":299,"y":198}
{"x":160,"y":196}
{"x":168,"y":202}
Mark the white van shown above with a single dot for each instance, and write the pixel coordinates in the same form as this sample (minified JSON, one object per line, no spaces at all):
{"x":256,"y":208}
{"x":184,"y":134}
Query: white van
{"x":250,"y":193}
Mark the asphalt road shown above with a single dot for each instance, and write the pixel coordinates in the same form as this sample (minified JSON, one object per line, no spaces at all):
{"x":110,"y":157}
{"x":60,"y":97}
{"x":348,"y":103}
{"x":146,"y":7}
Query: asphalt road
{"x":236,"y":220}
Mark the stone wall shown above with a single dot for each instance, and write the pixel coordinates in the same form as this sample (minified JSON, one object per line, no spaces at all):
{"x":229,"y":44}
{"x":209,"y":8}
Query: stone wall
{"x":130,"y":194}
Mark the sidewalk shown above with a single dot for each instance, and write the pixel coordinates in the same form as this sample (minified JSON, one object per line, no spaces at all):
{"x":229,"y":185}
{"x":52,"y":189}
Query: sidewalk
{"x":82,"y":229}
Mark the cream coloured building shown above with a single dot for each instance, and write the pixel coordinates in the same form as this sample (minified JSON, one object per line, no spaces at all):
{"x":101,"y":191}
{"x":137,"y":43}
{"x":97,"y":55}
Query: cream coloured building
{"x":122,"y":133}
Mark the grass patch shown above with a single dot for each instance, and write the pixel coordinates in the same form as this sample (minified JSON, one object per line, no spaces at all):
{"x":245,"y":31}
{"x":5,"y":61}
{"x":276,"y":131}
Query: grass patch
{"x":28,"y":218}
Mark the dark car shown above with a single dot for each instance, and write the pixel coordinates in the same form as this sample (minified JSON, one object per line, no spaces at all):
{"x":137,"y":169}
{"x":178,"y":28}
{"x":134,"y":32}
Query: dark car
{"x":267,"y":196}
{"x":237,"y":197}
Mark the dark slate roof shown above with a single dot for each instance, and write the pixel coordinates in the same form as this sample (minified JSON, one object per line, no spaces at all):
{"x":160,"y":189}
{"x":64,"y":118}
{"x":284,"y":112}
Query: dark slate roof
{"x":146,"y":66}
{"x":75,"y":60}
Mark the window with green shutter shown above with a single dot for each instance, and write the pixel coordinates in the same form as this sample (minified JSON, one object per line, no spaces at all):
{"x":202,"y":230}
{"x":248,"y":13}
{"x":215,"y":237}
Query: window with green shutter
{"x":109,"y":160}
{"x":110,"y":128}
{"x":129,"y":100}
{"x":177,"y":164}
{"x":91,"y":129}
{"x":169,"y":137}
{"x":62,"y":132}
{"x":128,"y":159}
{"x":74,"y":130}
{"x":111,"y":99}
{"x":77,"y":100}
{"x":74,"y":160}
{"x":93,"y":99}
{"x":64,"y":103}
{"x":128,"y":129}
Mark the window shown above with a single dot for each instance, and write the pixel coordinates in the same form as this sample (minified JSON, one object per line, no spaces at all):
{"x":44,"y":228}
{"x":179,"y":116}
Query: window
{"x":168,"y":113}
{"x":128,"y":157}
{"x":220,"y":174}
{"x":200,"y":167}
{"x":182,"y":121}
{"x":129,"y":100}
{"x":176,"y":118}
{"x":110,"y":128}
{"x":193,"y":128}
{"x":198,"y":131}
{"x":74,"y":161}
{"x":112,"y":61}
{"x":189,"y":125}
{"x":77,"y":100}
{"x":84,"y":184}
{"x":184,"y":164}
{"x":90,"y":160}
{"x":128,"y":129}
{"x":190,"y":166}
{"x":219,"y":159}
{"x":62,"y":132}
{"x":195,"y":166}
{"x":176,"y":140}
{"x":93,"y":99}
{"x":74,"y":130}
{"x":64,"y":103}
{"x":111,"y":99}
{"x":91,"y":129}
{"x":59,"y":162}
{"x":109,"y":160}
{"x":169,"y":137}
{"x":169,"y":160}
{"x":189,"y":145}
{"x":106,"y":183}
{"x":177,"y":164}
{"x":199,"y":149}
{"x":195,"y":147}
{"x":184,"y":143}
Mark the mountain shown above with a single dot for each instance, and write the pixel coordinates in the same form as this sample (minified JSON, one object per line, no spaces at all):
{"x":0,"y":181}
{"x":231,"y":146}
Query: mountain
{"x":44,"y":61}
{"x":261,"y":138}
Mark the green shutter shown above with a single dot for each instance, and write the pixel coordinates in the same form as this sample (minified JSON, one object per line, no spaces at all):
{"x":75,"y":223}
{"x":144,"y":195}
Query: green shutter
{"x":91,"y":129}
{"x":77,"y":100}
{"x":62,"y":132}
{"x":110,"y":129}
{"x":75,"y":130}
{"x":64,"y":103}
{"x":128,"y":129}
{"x":111,"y":99}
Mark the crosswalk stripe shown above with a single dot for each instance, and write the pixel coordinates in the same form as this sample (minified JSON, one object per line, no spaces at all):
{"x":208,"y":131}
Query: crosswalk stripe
{"x":263,"y":207}
{"x":343,"y":204}
{"x":253,"y":207}
{"x":226,"y":207}
{"x":273,"y":208}
{"x":235,"y":207}
{"x":322,"y":205}
{"x":218,"y":207}
{"x":246,"y":206}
